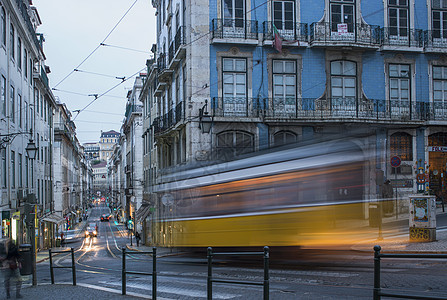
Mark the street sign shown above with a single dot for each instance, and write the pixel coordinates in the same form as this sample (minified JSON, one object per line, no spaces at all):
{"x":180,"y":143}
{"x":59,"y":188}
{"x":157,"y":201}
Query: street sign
{"x":395,"y":161}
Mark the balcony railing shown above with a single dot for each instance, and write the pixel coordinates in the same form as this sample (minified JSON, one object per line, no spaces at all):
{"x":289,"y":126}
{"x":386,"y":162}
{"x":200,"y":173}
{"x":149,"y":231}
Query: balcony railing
{"x":169,"y":120}
{"x":330,"y":109}
{"x":435,"y":39}
{"x":353,"y":33}
{"x":392,"y":36}
{"x":161,"y":63}
{"x":289,"y":31}
{"x":236,"y":107}
{"x":132,"y":108}
{"x":234,"y":28}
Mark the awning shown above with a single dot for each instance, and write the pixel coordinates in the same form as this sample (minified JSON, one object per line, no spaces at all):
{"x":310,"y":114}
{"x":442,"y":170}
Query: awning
{"x":142,"y":212}
{"x":53,"y":218}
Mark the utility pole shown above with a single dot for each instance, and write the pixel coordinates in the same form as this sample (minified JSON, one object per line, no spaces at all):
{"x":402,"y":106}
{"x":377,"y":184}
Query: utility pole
{"x":30,"y":222}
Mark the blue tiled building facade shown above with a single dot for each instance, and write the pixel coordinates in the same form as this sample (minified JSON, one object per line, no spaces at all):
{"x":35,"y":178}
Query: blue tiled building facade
{"x":376,"y":65}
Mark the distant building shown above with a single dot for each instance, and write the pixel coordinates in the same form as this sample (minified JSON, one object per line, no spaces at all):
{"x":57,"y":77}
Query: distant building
{"x":100,"y":182}
{"x":107,"y":141}
{"x":91,"y":151}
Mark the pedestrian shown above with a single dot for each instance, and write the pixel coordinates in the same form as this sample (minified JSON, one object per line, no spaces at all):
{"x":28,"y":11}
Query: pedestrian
{"x":137,"y":238}
{"x":11,"y":266}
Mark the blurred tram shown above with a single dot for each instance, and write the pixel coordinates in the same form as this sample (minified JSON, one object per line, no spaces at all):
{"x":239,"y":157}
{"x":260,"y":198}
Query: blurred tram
{"x":309,"y":196}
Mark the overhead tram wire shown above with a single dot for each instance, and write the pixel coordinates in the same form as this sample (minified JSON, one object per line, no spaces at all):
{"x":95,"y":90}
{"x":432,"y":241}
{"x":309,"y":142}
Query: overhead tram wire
{"x":97,"y":47}
{"x":100,"y":74}
{"x":103,"y":94}
{"x":81,"y":94}
{"x":125,"y":48}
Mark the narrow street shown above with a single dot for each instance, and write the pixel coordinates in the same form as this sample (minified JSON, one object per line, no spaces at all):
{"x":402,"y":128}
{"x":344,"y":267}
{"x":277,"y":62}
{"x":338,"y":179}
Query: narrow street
{"x":322,"y":274}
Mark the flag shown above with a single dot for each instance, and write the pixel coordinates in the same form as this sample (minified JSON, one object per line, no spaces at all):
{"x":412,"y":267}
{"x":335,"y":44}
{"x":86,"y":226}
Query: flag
{"x":277,"y":41}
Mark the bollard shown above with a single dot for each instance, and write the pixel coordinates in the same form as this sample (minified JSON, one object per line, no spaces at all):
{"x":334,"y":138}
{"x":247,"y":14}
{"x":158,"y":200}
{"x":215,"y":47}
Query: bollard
{"x":376,"y":293}
{"x":154,"y":273}
{"x":123,"y":276}
{"x":266,"y":273}
{"x":73,"y":266}
{"x":209,"y":286}
{"x":51,"y":266}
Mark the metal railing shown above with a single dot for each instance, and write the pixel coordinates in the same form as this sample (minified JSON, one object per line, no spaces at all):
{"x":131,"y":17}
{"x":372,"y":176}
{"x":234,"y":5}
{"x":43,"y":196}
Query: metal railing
{"x":378,"y":292}
{"x":393,"y":36}
{"x":211,"y":279}
{"x":234,"y":28}
{"x":72,"y":267}
{"x":153,"y":274}
{"x":435,"y":39}
{"x":356,"y":33}
{"x":289,"y":31}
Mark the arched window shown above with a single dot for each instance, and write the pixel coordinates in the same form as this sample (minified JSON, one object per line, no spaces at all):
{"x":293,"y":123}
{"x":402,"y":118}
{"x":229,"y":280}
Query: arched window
{"x":401,"y":144}
{"x":438,"y":139}
{"x":233,"y":143}
{"x":284,"y":138}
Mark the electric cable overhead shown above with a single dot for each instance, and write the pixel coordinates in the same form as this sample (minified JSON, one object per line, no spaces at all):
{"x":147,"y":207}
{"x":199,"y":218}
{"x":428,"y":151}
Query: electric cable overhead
{"x":97,"y":47}
{"x":125,"y":48}
{"x":112,"y":88}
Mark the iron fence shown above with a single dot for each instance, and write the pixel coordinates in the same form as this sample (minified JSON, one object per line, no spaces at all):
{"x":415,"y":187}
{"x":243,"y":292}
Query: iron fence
{"x":352,"y":33}
{"x":289,"y":31}
{"x":234,"y":28}
{"x":72,"y":267}
{"x":394,"y":36}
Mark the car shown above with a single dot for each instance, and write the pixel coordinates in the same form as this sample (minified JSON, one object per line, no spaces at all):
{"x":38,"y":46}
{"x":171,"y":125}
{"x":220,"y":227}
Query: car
{"x":91,"y":231}
{"x":105,"y":217}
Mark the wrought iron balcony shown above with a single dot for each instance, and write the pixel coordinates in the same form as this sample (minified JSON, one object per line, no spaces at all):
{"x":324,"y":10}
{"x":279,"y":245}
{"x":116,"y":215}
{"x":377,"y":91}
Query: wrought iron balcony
{"x":290,"y":31}
{"x":352,"y":109}
{"x":161,"y":63}
{"x":175,"y":47}
{"x":393,"y":36}
{"x":435,"y":39}
{"x":361,"y":34}
{"x":331,"y":109}
{"x":169,"y":120}
{"x":236,"y":107}
{"x":234,"y":28}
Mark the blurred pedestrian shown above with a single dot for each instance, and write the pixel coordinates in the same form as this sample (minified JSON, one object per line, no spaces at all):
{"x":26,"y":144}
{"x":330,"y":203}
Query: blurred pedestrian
{"x":11,"y":266}
{"x":137,"y":238}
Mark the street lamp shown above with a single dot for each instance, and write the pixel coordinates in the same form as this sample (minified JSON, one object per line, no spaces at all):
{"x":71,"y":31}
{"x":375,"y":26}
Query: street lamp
{"x":205,"y":121}
{"x":31,"y":151}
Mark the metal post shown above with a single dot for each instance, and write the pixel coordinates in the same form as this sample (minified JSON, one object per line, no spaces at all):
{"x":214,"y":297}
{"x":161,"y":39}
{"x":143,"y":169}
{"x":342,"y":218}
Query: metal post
{"x":51,"y":266}
{"x":376,"y":292}
{"x":123,"y":277}
{"x":209,"y":287}
{"x":73,"y":266}
{"x":266,"y":273}
{"x":154,"y":273}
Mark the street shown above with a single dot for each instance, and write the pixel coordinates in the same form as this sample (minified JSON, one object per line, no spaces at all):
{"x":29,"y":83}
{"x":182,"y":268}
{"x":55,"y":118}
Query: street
{"x":311,"y":274}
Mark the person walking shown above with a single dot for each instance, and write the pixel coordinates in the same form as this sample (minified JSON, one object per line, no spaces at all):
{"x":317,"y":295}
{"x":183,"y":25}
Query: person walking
{"x":137,"y":238}
{"x":11,"y":266}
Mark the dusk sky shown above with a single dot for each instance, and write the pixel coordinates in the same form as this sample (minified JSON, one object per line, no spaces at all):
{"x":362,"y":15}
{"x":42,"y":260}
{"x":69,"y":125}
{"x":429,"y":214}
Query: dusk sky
{"x":72,"y":31}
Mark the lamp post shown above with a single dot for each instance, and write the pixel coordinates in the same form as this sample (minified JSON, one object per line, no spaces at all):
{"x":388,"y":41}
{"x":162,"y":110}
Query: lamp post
{"x":205,"y":121}
{"x":31,"y":151}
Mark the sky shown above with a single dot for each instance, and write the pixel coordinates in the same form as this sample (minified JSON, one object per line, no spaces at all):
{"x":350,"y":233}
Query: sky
{"x":72,"y":31}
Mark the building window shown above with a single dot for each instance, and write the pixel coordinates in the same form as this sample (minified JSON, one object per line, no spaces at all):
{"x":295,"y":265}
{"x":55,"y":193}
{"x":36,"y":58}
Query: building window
{"x":342,"y":12}
{"x":25,"y":61}
{"x":398,"y":21}
{"x":12,"y":106}
{"x":4,"y":177}
{"x":399,"y":76}
{"x":3,"y":13}
{"x":233,"y":13}
{"x":20,"y":171}
{"x":284,"y":86}
{"x":440,"y":87}
{"x":13,"y":169}
{"x":343,"y":86}
{"x":439,"y":18}
{"x":234,"y":143}
{"x":20,"y":109}
{"x":234,"y":86}
{"x":26,"y":172}
{"x":3,"y":96}
{"x":284,"y":138}
{"x":284,"y":15}
{"x":401,"y":144}
{"x":12,"y":41}
{"x":19,"y":53}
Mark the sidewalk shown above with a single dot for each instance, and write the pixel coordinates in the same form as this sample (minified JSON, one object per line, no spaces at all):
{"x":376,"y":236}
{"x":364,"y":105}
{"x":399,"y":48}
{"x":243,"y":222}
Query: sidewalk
{"x":70,"y":292}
